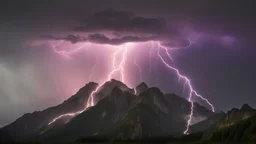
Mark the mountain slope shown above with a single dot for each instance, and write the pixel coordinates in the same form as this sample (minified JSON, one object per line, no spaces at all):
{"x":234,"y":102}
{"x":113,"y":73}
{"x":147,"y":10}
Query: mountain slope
{"x":236,"y":115}
{"x":244,"y":130}
{"x":119,"y":111}
{"x":89,"y":122}
{"x":207,"y":123}
{"x":140,"y":122}
{"x":180,"y":110}
{"x":30,"y":123}
{"x":97,"y":118}
{"x":232,"y":117}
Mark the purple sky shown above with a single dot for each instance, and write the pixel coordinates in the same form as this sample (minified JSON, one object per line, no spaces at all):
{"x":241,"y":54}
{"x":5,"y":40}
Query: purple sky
{"x":220,"y":63}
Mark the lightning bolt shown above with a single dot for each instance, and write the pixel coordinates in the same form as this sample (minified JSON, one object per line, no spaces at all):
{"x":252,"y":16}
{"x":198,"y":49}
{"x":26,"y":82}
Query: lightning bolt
{"x":66,"y":54}
{"x":91,"y":74}
{"x":139,"y":68}
{"x":177,"y":48}
{"x":63,"y":53}
{"x":120,"y":67}
{"x":65,"y":115}
{"x":187,"y":82}
{"x":90,"y":101}
{"x":149,"y":57}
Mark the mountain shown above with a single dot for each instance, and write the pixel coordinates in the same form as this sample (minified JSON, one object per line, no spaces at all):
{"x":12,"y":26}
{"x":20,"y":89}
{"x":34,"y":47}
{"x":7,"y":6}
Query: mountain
{"x":235,"y":126}
{"x":222,"y":121}
{"x":120,"y":113}
{"x":140,"y":122}
{"x":207,"y":123}
{"x":241,"y":131}
{"x":235,"y":115}
{"x":142,"y":87}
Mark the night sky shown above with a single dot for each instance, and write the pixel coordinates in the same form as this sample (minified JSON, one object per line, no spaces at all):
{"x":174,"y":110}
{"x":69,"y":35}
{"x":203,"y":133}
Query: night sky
{"x":221,"y":62}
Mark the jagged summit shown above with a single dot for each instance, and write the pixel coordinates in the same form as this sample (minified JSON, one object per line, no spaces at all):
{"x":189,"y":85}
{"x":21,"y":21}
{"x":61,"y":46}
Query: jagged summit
{"x":223,"y":120}
{"x":155,"y":91}
{"x":83,"y":92}
{"x":115,"y":103}
{"x":142,"y":87}
{"x":235,"y":115}
{"x":246,"y":107}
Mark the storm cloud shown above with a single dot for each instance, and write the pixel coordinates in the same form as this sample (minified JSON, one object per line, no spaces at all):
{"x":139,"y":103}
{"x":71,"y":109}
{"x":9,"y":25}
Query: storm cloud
{"x":122,"y":22}
{"x":116,"y":27}
{"x":112,"y":26}
{"x":99,"y":39}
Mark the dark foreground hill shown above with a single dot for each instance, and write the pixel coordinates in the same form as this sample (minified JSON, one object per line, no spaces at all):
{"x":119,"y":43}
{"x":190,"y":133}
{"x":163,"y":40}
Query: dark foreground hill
{"x":235,"y":126}
{"x":120,"y":113}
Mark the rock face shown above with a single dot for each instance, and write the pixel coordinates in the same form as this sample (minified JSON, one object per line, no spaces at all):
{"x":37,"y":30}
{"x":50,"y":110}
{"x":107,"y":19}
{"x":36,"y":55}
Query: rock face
{"x":118,"y":113}
{"x":207,"y":123}
{"x":243,"y":130}
{"x":224,"y":120}
{"x":142,"y":87}
{"x":140,"y":122}
{"x":235,"y":115}
{"x":247,"y":108}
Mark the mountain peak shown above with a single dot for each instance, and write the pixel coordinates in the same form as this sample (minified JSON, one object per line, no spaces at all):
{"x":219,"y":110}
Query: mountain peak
{"x":143,"y":84}
{"x":114,"y":80}
{"x":236,"y":114}
{"x":148,"y":114}
{"x":155,"y":90}
{"x":233,"y":110}
{"x":108,"y":86}
{"x":91,"y":83}
{"x":246,"y":107}
{"x":142,"y":87}
{"x":115,"y":83}
{"x":83,"y":93}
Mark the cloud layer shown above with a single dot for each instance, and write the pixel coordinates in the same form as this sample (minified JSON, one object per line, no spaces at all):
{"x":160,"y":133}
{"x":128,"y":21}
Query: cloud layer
{"x":99,"y":39}
{"x":122,"y":22}
{"x":116,"y":27}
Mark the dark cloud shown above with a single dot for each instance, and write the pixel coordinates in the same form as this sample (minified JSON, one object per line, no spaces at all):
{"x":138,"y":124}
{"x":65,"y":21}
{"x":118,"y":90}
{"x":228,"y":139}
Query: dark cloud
{"x":123,"y":22}
{"x":123,"y":27}
{"x":102,"y":39}
{"x":71,"y":38}
{"x":99,"y":39}
{"x":115,"y":27}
